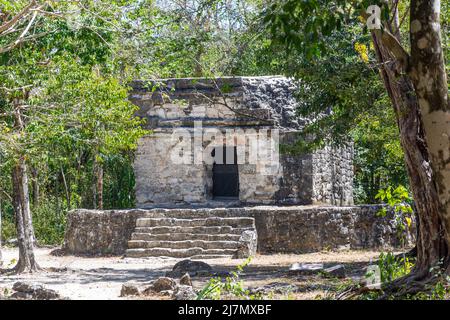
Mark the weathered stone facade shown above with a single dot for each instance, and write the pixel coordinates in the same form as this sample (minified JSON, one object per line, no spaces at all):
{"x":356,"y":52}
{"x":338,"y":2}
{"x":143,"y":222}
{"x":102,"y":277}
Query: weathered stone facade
{"x":293,"y":229}
{"x":96,"y":232}
{"x":180,"y":111}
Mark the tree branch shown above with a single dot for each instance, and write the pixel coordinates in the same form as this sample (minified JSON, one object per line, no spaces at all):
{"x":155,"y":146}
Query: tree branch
{"x":17,"y":17}
{"x":394,"y":47}
{"x":33,"y":37}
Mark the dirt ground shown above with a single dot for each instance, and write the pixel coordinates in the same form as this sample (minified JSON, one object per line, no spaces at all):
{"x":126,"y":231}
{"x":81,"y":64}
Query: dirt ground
{"x":101,"y":278}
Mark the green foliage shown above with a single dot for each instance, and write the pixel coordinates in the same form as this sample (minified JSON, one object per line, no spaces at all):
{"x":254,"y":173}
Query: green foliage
{"x":392,"y":267}
{"x":69,"y":84}
{"x":8,"y":229}
{"x":119,"y":182}
{"x":329,"y":51}
{"x":379,"y":159}
{"x":92,"y":113}
{"x":232,"y":286}
{"x":49,"y":222}
{"x":399,"y":201}
{"x":440,"y":289}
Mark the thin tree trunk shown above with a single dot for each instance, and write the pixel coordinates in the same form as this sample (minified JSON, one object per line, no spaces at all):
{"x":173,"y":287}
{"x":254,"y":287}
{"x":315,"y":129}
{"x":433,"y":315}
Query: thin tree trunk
{"x":100,"y":186}
{"x":198,"y":71}
{"x":1,"y":257}
{"x":35,"y":186}
{"x":21,"y":202}
{"x":66,"y":188}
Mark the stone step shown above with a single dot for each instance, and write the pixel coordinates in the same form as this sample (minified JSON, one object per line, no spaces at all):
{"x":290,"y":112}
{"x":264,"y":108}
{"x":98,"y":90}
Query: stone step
{"x":186,"y":244}
{"x":212,"y":256}
{"x":197,"y":230}
{"x":236,"y":222}
{"x":184,"y":236}
{"x":178,"y":253}
{"x":182,"y":213}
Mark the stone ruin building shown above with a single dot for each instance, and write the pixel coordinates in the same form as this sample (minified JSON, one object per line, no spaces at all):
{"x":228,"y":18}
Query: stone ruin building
{"x":179,"y":111}
{"x":211,"y":183}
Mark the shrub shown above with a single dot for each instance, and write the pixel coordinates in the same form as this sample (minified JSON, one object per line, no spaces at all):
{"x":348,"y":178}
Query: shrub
{"x":232,"y":286}
{"x":8,"y":230}
{"x":400,"y":202}
{"x":49,"y":221}
{"x":392,"y":267}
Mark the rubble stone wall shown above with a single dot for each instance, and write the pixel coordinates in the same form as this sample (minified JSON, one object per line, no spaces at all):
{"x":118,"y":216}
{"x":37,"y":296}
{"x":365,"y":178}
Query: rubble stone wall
{"x":290,"y":229}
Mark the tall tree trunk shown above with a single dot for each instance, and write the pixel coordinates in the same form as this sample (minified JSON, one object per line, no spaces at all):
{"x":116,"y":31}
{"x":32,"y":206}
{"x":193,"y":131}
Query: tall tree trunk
{"x":24,"y":227}
{"x":1,"y":257}
{"x":416,"y":158}
{"x":66,"y":188}
{"x":35,"y":186}
{"x":21,"y":203}
{"x":428,"y":74}
{"x":198,"y":70}
{"x":424,"y":138}
{"x":98,"y":185}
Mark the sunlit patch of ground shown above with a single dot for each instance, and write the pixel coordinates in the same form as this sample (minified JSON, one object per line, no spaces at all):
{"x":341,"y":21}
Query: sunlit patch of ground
{"x":102,"y":278}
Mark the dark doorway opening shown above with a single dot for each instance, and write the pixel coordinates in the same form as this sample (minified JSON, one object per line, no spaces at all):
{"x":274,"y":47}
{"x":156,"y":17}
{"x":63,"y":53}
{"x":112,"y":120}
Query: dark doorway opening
{"x":226,"y":174}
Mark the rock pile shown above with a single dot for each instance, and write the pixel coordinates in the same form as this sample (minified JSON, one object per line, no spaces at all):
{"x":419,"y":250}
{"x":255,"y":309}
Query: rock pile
{"x":33,"y":291}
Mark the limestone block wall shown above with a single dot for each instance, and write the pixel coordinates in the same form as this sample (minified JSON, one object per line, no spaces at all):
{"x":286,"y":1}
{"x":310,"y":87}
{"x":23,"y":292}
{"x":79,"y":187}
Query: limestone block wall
{"x":311,"y":229}
{"x":161,"y":181}
{"x":332,"y":170}
{"x":96,"y":232}
{"x":294,"y":229}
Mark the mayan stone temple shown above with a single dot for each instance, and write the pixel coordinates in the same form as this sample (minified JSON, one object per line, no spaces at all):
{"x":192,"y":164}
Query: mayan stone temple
{"x":211,"y":181}
{"x":234,"y":116}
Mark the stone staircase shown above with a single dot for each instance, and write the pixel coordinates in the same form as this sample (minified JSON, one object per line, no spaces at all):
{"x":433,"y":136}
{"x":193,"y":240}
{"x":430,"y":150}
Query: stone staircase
{"x":198,"y":237}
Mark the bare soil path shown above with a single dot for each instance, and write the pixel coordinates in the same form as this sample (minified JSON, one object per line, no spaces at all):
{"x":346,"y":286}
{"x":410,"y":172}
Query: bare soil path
{"x":84,"y":278}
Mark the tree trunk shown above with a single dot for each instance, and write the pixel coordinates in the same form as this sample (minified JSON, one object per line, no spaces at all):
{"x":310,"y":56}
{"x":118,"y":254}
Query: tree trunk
{"x":35,"y":186}
{"x":416,"y":158}
{"x":24,"y":227}
{"x":21,"y":203}
{"x":428,"y":74}
{"x":1,"y":257}
{"x":426,"y":149}
{"x":66,"y":188}
{"x":198,"y":70}
{"x":98,"y":185}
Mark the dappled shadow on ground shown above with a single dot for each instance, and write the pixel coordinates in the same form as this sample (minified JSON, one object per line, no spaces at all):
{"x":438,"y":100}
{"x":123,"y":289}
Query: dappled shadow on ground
{"x":94,"y":275}
{"x":353,"y":269}
{"x":102,"y":277}
{"x":250,"y":274}
{"x":279,"y":282}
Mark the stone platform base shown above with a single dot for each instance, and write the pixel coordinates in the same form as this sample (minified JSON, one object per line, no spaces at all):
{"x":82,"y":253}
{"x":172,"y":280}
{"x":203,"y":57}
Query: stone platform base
{"x":296,"y":229}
